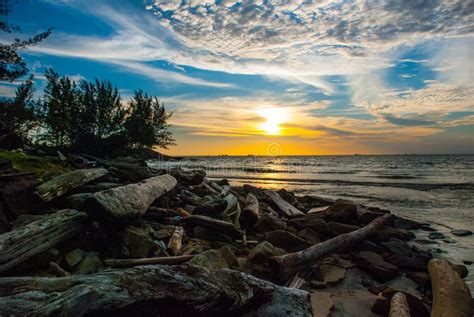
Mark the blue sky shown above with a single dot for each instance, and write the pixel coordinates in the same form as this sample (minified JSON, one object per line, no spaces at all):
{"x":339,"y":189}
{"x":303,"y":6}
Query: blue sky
{"x":333,"y":77}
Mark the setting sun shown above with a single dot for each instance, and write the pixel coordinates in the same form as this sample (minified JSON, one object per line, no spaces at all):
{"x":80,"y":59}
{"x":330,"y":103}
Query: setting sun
{"x":274,"y":117}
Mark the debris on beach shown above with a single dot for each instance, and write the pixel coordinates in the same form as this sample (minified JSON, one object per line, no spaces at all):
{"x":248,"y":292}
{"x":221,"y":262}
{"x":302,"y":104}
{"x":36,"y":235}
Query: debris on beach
{"x":125,"y":238}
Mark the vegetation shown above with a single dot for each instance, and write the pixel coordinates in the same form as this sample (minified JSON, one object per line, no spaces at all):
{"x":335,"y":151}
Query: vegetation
{"x":39,"y":165}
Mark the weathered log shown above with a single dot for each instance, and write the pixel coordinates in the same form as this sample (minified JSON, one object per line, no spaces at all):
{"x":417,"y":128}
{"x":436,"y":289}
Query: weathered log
{"x":208,"y":205}
{"x":251,"y":211}
{"x":231,"y":203}
{"x":451,"y":296}
{"x":64,"y":183}
{"x":25,"y":242}
{"x":283,"y":205}
{"x":215,"y":224}
{"x":285,"y":265}
{"x":57,"y":270}
{"x":174,"y":245}
{"x":153,"y":289}
{"x":124,"y":203}
{"x":165,"y":260}
{"x":399,"y":306}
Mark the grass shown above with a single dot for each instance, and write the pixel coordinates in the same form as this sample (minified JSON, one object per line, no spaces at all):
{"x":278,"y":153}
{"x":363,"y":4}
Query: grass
{"x":40,"y":165}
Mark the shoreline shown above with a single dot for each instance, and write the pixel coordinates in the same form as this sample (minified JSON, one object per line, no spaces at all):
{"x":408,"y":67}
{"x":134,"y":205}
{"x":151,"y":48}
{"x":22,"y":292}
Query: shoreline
{"x":129,"y":212}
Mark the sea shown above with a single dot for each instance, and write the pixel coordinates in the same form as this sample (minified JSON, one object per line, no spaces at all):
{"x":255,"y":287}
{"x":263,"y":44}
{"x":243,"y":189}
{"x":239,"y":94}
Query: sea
{"x":436,"y":189}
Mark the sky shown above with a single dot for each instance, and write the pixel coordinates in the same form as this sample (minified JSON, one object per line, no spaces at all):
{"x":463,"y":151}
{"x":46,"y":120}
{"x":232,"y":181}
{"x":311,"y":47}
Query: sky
{"x":275,"y":76}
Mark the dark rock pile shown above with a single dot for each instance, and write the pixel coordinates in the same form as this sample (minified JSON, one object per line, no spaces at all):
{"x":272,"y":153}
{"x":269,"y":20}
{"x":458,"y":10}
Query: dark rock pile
{"x":120,"y":237}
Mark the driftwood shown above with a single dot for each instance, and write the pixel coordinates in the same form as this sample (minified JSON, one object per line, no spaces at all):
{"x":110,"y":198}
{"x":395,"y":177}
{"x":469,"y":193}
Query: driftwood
{"x":251,"y":212}
{"x":283,"y":205}
{"x":165,"y":260}
{"x":399,"y":306}
{"x":224,"y":227}
{"x":25,"y":242}
{"x":132,"y":172}
{"x":174,"y":245}
{"x":156,"y":289}
{"x":451,"y":296}
{"x":62,"y":184}
{"x":207,"y":205}
{"x":285,"y":265}
{"x":124,"y":203}
{"x":231,"y":203}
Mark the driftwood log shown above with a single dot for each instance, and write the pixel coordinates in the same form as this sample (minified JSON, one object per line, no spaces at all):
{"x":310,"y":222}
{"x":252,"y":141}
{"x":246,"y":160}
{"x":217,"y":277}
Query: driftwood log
{"x":163,"y":260}
{"x":284,"y":266}
{"x":175,"y":243}
{"x":62,"y":184}
{"x":283,"y":205}
{"x":399,"y":306}
{"x":121,"y":204}
{"x":451,"y":296}
{"x":25,"y":242}
{"x":214,"y":224}
{"x":163,"y":290}
{"x":251,"y":211}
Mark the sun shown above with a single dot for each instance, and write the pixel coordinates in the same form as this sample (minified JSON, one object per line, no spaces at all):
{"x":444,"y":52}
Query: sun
{"x":274,"y":117}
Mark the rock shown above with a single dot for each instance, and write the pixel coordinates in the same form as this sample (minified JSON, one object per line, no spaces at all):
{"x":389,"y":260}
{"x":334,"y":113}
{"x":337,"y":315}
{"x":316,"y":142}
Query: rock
{"x":262,"y":252}
{"x":286,"y":240}
{"x":327,"y":275}
{"x":76,"y":201}
{"x":342,"y":211}
{"x":4,"y":223}
{"x":336,"y":228}
{"x":138,"y":241}
{"x":461,"y":232}
{"x":25,"y":219}
{"x":375,"y":265}
{"x":386,"y":233}
{"x":209,"y":234}
{"x":420,"y":278}
{"x":382,"y":305}
{"x":407,"y":224}
{"x":269,"y":222}
{"x":73,"y":258}
{"x":309,"y":235}
{"x":436,"y":235}
{"x":17,"y":195}
{"x":424,"y":241}
{"x":416,"y":263}
{"x":210,"y":260}
{"x":426,"y":227}
{"x":322,"y":304}
{"x":196,"y":246}
{"x":368,"y":245}
{"x":91,"y":263}
{"x":461,"y":269}
{"x":310,"y":221}
{"x":449,"y":240}
{"x":397,"y":247}
{"x":229,"y":256}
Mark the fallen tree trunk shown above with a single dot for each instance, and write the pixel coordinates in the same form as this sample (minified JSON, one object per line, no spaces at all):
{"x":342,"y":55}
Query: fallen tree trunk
{"x":124,"y":203}
{"x":451,"y":296}
{"x":215,"y":224}
{"x":399,"y":306}
{"x":25,"y":242}
{"x":62,"y":184}
{"x":163,"y":260}
{"x":283,"y":205}
{"x":251,"y":211}
{"x":285,"y":265}
{"x":154,"y":289}
{"x":174,"y":245}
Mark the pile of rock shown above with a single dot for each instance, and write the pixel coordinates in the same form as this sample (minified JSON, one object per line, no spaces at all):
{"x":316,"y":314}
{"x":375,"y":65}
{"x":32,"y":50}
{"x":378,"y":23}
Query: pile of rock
{"x":120,"y":237}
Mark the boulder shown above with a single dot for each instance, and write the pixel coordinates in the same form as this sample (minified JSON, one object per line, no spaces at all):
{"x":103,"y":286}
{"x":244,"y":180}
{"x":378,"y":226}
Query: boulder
{"x":286,"y":240}
{"x":262,"y":252}
{"x":386,"y":233}
{"x":336,"y":228}
{"x":229,"y":256}
{"x":375,"y":265}
{"x":138,"y":242}
{"x":91,"y":263}
{"x":327,"y":275}
{"x":210,"y":260}
{"x":461,"y":269}
{"x":407,"y":224}
{"x":269,"y":222}
{"x":17,"y":195}
{"x":73,"y":258}
{"x":461,"y":232}
{"x":195,"y":246}
{"x":310,"y":221}
{"x":420,"y":278}
{"x":436,"y":235}
{"x":209,"y":234}
{"x":342,"y":211}
{"x":397,"y":247}
{"x":309,"y":235}
{"x":415,"y":263}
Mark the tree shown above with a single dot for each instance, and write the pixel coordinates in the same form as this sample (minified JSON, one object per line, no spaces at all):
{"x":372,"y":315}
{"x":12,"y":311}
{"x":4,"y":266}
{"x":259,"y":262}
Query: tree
{"x":12,"y":65}
{"x":146,"y":125}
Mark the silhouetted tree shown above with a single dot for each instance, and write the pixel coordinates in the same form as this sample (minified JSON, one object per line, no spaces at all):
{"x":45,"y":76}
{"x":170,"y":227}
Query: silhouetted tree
{"x":146,"y":125}
{"x":12,"y":65}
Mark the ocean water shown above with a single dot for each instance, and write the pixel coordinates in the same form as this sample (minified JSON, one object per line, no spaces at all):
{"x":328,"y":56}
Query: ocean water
{"x":438,"y":189}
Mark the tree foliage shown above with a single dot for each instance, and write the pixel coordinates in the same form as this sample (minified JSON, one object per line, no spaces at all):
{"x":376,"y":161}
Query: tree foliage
{"x":12,"y":65}
{"x":146,"y":124}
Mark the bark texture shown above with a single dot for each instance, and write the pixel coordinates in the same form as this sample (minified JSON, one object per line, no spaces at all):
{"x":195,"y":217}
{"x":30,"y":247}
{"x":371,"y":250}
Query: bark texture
{"x":283,"y":205}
